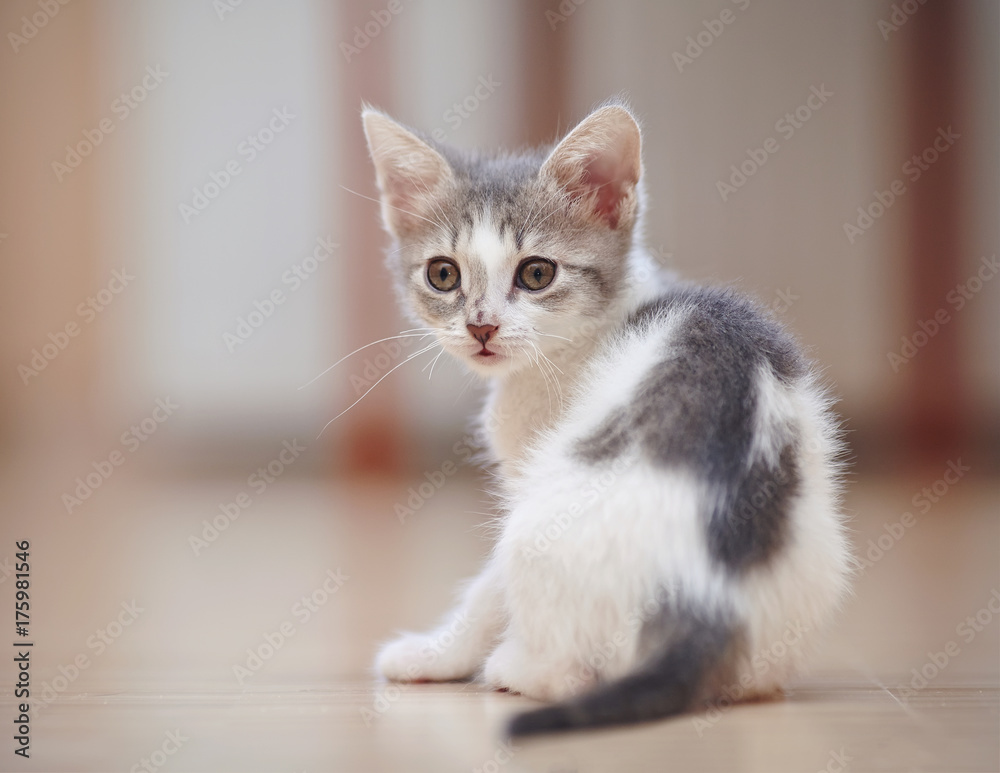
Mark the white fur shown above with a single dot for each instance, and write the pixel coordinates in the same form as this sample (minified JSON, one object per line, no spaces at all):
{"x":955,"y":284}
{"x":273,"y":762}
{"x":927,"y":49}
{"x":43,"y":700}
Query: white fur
{"x":566,"y":588}
{"x":587,"y":551}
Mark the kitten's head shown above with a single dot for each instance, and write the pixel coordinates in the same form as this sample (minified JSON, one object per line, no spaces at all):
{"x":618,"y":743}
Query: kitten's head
{"x":508,"y":255}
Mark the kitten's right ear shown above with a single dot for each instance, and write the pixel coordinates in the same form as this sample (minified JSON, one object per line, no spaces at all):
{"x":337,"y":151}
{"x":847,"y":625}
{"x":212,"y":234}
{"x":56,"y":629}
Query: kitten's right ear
{"x":409,"y":172}
{"x":599,"y":165}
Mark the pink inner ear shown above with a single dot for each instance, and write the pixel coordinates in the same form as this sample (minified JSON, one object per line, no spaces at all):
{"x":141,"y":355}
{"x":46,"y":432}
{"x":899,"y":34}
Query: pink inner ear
{"x":406,"y":188}
{"x":402,"y":192}
{"x":604,"y":178}
{"x":410,"y":183}
{"x":606,"y":182}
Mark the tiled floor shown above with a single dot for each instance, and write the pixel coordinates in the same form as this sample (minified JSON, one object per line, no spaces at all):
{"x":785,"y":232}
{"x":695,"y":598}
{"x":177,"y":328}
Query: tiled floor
{"x":253,"y":655}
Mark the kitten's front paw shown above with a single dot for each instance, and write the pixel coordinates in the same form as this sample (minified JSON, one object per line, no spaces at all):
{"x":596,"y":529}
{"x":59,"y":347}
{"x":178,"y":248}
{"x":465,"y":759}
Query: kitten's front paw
{"x":418,"y":658}
{"x":407,"y":659}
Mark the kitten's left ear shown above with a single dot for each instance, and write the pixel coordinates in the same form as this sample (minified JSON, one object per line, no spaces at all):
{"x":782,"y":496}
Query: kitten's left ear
{"x":599,"y":164}
{"x":409,"y":172}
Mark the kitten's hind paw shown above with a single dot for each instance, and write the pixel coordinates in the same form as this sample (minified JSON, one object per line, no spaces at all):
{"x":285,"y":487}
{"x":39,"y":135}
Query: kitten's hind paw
{"x":510,"y":668}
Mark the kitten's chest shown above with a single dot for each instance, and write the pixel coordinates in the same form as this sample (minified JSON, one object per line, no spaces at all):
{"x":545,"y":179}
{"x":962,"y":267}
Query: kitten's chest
{"x":520,"y":409}
{"x":513,"y":418}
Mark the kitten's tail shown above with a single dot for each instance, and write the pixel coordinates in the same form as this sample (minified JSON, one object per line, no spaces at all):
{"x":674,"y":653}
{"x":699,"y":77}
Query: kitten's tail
{"x":672,"y":682}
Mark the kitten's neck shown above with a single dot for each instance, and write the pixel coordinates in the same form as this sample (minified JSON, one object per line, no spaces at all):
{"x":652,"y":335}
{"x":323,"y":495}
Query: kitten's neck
{"x":532,"y":399}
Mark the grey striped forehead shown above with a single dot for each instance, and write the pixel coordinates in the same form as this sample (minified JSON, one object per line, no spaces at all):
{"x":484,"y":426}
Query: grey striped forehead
{"x":503,"y":194}
{"x":496,"y":212}
{"x":499,"y":190}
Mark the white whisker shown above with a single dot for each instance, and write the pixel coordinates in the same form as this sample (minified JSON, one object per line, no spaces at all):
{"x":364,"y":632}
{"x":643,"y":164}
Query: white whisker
{"x":400,"y":209}
{"x":432,"y":364}
{"x":551,"y":364}
{"x":415,"y":354}
{"x":545,"y":378}
{"x":404,"y":247}
{"x":438,"y":211}
{"x":545,"y":364}
{"x":470,"y":379}
{"x":540,"y":222}
{"x":414,"y":333}
{"x":553,"y":335}
{"x":553,"y":195}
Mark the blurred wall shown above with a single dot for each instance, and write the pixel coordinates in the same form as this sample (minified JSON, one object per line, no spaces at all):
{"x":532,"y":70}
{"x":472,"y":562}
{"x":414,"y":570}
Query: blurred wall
{"x":712,"y":83}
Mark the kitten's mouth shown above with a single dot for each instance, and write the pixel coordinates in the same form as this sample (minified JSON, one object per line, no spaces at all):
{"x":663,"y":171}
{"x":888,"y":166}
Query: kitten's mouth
{"x":487,"y":357}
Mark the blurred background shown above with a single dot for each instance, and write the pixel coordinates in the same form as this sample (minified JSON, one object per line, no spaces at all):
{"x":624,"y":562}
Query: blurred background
{"x":188,"y":240}
{"x":151,"y":198}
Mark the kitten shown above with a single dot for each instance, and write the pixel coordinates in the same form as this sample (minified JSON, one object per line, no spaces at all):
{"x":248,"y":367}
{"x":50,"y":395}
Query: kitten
{"x":671,"y":529}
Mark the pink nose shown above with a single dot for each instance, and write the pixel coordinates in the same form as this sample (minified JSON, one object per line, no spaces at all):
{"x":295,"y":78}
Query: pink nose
{"x":482,"y":333}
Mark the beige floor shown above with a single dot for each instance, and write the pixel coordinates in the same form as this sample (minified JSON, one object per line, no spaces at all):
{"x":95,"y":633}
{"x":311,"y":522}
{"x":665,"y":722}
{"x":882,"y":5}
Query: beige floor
{"x":312,"y":705}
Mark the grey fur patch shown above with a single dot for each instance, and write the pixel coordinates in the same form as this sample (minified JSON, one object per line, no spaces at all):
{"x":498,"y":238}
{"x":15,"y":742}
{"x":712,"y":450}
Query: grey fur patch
{"x":606,"y":287}
{"x":749,"y":525}
{"x":610,"y":441}
{"x":733,"y":321}
{"x":442,"y":306}
{"x":693,"y":652}
{"x":554,"y":299}
{"x":696,"y":410}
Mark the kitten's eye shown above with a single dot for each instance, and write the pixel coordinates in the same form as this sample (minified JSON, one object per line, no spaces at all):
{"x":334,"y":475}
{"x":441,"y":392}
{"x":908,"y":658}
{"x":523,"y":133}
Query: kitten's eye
{"x":443,"y":274}
{"x":536,"y":274}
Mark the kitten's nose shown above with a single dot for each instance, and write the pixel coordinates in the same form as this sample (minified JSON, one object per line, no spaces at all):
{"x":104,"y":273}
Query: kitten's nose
{"x":482,"y":333}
